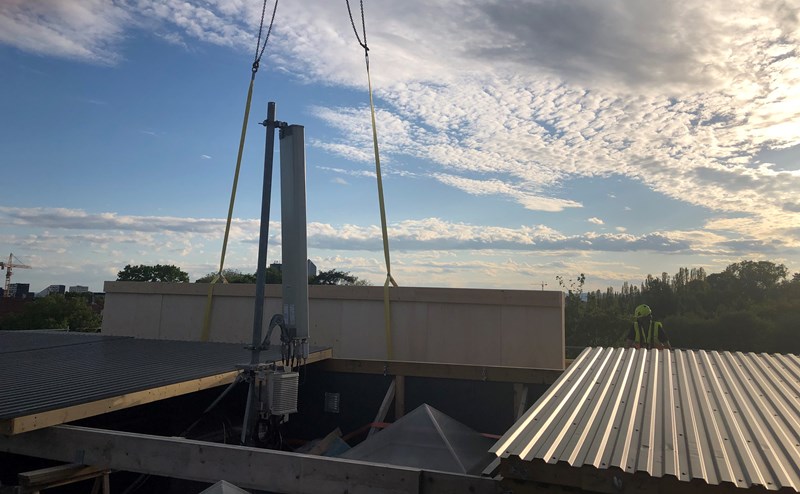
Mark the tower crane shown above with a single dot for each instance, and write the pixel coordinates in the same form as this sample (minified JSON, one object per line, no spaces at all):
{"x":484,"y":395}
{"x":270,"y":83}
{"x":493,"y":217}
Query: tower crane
{"x":8,"y":266}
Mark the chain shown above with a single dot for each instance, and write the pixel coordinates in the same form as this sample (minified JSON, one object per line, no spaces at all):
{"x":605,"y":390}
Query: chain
{"x":259,"y":47}
{"x":363,"y":25}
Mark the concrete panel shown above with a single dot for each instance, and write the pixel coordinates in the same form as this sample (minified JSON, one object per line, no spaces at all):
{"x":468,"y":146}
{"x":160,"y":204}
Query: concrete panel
{"x":462,"y":334}
{"x":363,"y":331}
{"x":410,"y":330}
{"x":231,"y":319}
{"x":136,"y":315}
{"x":325,"y":323}
{"x":521,"y":328}
{"x":526,"y":334}
{"x":180,"y":315}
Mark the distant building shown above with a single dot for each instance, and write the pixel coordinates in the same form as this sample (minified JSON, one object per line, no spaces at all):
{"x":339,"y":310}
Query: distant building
{"x":51,"y":289}
{"x":19,"y":290}
{"x":78,"y":289}
{"x":312,"y":268}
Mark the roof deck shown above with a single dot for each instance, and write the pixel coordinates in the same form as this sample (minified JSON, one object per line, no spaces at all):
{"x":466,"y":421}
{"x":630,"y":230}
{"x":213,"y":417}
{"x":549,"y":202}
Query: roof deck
{"x":52,"y":377}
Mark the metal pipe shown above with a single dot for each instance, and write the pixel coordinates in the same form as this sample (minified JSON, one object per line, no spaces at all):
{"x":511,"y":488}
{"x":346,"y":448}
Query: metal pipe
{"x":249,"y":423}
{"x":250,"y":413}
{"x":261,"y":273}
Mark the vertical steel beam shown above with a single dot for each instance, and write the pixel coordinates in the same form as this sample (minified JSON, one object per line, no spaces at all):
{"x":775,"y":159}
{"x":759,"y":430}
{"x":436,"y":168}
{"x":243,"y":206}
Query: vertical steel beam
{"x":251,"y":413}
{"x":263,"y":238}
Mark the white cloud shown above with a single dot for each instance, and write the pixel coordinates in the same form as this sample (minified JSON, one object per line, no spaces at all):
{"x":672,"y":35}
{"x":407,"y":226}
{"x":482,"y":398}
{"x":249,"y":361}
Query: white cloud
{"x":352,"y":173}
{"x":205,"y":157}
{"x":86,"y":30}
{"x":428,"y":251}
{"x":596,"y":221}
{"x":496,"y":187}
{"x":503,"y":97}
{"x":681,"y":97}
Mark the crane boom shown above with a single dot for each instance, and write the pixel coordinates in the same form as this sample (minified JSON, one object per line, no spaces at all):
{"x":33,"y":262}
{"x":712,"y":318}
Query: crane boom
{"x":9,"y":266}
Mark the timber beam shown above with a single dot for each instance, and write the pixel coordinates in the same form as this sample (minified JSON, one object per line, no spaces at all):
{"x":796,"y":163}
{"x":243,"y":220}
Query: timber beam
{"x":246,"y":467}
{"x":522,"y":375}
{"x":47,"y":418}
{"x":48,"y":478}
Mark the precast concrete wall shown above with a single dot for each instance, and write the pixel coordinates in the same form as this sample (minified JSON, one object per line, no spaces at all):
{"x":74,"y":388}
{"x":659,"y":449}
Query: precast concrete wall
{"x":511,"y":328}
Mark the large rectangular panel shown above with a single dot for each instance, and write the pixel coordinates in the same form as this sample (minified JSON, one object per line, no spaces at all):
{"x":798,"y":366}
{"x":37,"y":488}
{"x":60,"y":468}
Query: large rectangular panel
{"x":521,"y":328}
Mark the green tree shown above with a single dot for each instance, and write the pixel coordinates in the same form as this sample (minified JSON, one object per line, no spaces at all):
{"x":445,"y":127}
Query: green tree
{"x":159,"y":272}
{"x":336,"y":277}
{"x":54,"y":312}
{"x":574,"y":311}
{"x":231,"y":275}
{"x":756,"y":278}
{"x":235,"y":276}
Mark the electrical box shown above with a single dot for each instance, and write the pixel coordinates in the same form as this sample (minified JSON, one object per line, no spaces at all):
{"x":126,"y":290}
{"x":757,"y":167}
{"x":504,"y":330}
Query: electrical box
{"x":282,"y":389}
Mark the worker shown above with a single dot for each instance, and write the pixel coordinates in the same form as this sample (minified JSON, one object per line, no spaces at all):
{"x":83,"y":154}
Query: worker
{"x":646,"y":333}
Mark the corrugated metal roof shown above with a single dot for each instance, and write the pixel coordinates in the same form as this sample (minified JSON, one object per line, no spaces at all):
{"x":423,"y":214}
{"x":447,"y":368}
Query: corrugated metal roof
{"x":716,"y":416}
{"x":22,"y":341}
{"x":52,"y":371}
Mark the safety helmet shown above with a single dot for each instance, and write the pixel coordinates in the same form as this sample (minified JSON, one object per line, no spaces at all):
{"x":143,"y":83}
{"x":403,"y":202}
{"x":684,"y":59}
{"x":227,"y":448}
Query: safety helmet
{"x":642,"y":311}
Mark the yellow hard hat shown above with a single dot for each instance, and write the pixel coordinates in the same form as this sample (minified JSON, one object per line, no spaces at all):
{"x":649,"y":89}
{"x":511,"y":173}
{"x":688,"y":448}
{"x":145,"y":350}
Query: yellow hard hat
{"x":642,"y":311}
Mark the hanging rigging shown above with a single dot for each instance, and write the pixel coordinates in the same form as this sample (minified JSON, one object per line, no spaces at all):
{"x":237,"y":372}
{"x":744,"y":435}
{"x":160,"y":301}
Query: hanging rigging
{"x":389,"y":279}
{"x":259,"y":52}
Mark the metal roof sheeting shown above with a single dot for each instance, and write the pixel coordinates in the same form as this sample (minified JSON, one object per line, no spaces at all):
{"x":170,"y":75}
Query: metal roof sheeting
{"x":719,"y":417}
{"x":41,"y":371}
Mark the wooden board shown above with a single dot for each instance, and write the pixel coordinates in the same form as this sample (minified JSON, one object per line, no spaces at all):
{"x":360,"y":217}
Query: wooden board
{"x":248,"y":468}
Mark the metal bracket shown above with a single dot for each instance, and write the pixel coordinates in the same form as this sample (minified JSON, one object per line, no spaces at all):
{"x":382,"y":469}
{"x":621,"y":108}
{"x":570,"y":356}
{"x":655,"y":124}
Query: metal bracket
{"x":277,"y":124}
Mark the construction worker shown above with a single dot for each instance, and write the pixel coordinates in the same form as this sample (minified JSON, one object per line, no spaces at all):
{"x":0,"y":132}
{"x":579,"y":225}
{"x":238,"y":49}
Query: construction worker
{"x":646,"y":333}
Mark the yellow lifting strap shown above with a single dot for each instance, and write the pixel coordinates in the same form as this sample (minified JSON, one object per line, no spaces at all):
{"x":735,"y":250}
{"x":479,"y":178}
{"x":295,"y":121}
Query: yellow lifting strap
{"x":206,"y":332}
{"x":387,"y":309}
{"x":210,"y":298}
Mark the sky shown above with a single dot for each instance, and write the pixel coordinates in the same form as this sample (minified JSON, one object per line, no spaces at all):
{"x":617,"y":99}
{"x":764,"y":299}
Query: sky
{"x":520,"y":140}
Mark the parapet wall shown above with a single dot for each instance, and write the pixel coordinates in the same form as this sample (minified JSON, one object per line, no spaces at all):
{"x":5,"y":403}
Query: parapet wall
{"x":511,"y":328}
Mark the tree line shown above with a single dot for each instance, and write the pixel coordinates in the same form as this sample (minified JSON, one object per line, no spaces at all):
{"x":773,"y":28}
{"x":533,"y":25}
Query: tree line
{"x":83,"y":312}
{"x":71,"y":311}
{"x":174,"y":274}
{"x":749,"y":306}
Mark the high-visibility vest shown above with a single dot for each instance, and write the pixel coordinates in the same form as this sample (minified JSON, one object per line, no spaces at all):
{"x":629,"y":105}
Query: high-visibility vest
{"x":651,"y":338}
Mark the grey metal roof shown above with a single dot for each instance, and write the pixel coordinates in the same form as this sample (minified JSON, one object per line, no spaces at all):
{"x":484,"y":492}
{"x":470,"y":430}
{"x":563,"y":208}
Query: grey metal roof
{"x":41,"y":371}
{"x":22,"y":341}
{"x":715,"y":416}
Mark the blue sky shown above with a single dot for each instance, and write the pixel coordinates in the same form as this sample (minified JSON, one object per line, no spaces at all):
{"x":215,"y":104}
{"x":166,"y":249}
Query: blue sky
{"x":521,"y":140}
